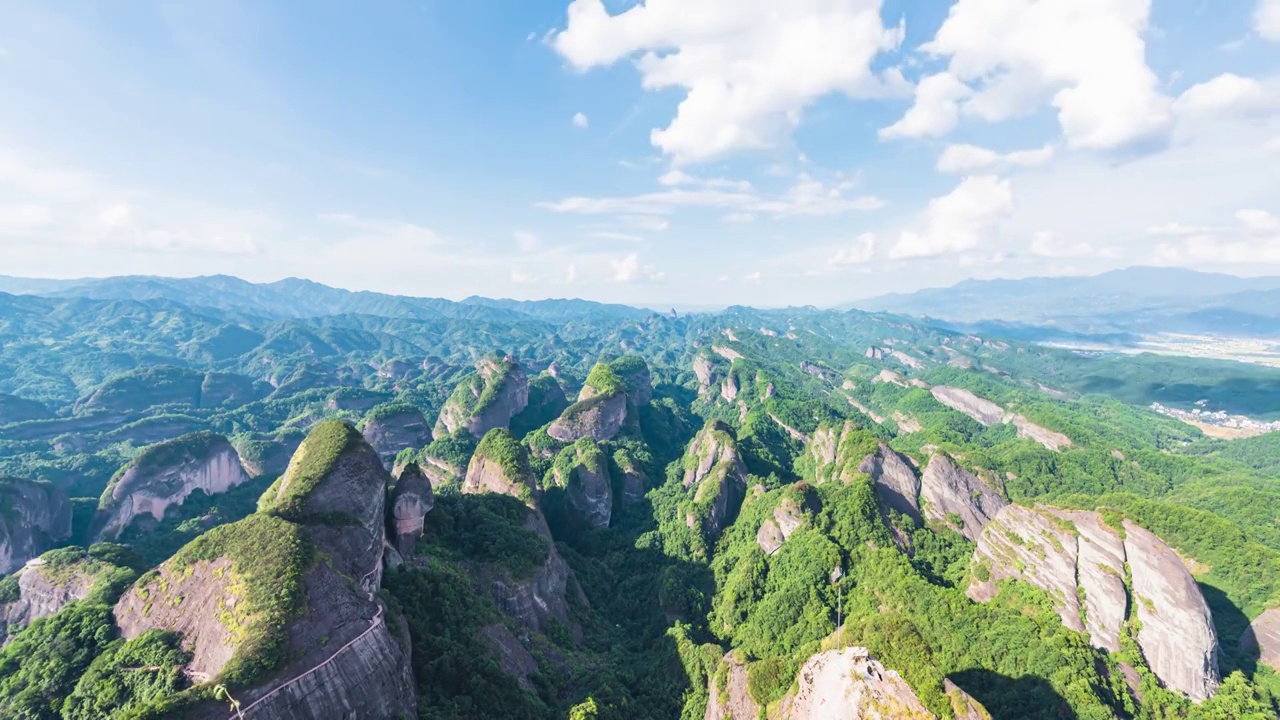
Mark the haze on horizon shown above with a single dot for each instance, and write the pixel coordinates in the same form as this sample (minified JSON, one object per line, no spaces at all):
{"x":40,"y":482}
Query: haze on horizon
{"x":637,"y":152}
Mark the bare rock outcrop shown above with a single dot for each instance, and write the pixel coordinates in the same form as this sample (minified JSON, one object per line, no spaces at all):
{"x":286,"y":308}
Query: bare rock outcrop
{"x":714,"y":472}
{"x":582,"y":469}
{"x":163,"y":476}
{"x":599,"y":418}
{"x":897,"y":485}
{"x":849,"y":684}
{"x":35,"y":516}
{"x":501,"y":465}
{"x":49,"y":583}
{"x":315,"y":546}
{"x":410,"y":501}
{"x":958,"y":498}
{"x":392,"y":428}
{"x":1074,"y":556}
{"x":735,"y":701}
{"x":988,"y":413}
{"x":1263,"y":638}
{"x":786,"y":518}
{"x":537,"y":601}
{"x":489,"y":399}
{"x":1178,"y":639}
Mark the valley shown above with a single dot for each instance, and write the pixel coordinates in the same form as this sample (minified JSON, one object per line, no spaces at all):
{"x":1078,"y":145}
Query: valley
{"x":405,"y":507}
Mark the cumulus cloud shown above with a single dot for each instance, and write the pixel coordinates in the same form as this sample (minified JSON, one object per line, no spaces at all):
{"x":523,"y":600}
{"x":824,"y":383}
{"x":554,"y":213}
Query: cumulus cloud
{"x":1053,"y":245}
{"x":677,"y":177}
{"x":1177,"y":229}
{"x":1254,"y":240}
{"x":858,"y":252}
{"x":19,"y":219}
{"x":1227,"y":93}
{"x":748,"y":68}
{"x":1266,"y":20}
{"x":628,"y":269}
{"x":963,"y":159}
{"x":520,"y":277}
{"x":754,"y":277}
{"x":960,"y":220}
{"x":580,"y":121}
{"x":1006,"y":59}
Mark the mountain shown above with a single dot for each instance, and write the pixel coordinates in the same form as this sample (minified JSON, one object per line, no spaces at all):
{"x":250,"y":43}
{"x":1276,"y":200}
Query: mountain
{"x":1139,"y":300}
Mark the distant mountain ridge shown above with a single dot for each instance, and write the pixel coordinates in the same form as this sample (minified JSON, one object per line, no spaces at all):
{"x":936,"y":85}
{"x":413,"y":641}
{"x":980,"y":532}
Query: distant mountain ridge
{"x":294,"y":298}
{"x":1139,"y":300}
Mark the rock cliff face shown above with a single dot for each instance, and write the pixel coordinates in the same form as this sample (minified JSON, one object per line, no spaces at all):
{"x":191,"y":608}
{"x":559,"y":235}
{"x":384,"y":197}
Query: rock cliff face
{"x":390,"y":429}
{"x":537,"y":601}
{"x":163,"y":476}
{"x":787,"y":517}
{"x":989,"y":413}
{"x":43,"y":591}
{"x":410,"y":501}
{"x":497,"y":392}
{"x":735,"y":701}
{"x":599,"y":418}
{"x":849,"y":684}
{"x":1074,"y":555}
{"x":583,"y":471}
{"x":34,"y":516}
{"x":958,"y":498}
{"x":322,"y":523}
{"x":501,"y":465}
{"x":717,"y":477}
{"x":1263,"y":638}
{"x":897,"y":485}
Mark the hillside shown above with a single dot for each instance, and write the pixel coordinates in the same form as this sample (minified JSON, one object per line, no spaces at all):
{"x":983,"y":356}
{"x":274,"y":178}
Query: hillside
{"x":569,"y":510}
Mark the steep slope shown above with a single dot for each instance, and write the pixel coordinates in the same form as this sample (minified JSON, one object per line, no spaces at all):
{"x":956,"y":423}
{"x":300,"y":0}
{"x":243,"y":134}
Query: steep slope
{"x":407,"y":506}
{"x":60,"y":577}
{"x":34,"y":516}
{"x":489,"y":399}
{"x":582,"y":469}
{"x":715,"y":478}
{"x":958,"y":498}
{"x":1083,"y":565}
{"x":608,"y":402}
{"x":163,"y":476}
{"x":281,"y":607}
{"x":392,"y":428}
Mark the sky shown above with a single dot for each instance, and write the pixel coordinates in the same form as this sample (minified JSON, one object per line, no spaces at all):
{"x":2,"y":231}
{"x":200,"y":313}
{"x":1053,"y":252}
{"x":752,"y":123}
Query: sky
{"x":669,"y":152}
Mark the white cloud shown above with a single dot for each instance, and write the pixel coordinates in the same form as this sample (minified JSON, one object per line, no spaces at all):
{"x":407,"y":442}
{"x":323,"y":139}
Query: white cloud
{"x":960,"y":220}
{"x":580,"y":121}
{"x":739,"y":218}
{"x":936,"y":109}
{"x":647,"y":222}
{"x":520,"y":277}
{"x":749,"y":68}
{"x":754,"y":277}
{"x":396,"y":231}
{"x":677,"y":177}
{"x":1085,"y":57}
{"x":1273,"y":146}
{"x":612,"y":235}
{"x":1258,"y":222}
{"x":858,"y":252}
{"x":527,"y":241}
{"x":1177,"y":229}
{"x":807,"y":197}
{"x":1267,"y":19}
{"x":628,"y":269}
{"x":962,"y":159}
{"x":1255,"y":240}
{"x":1226,"y":93}
{"x":1053,"y":245}
{"x":17,"y":219}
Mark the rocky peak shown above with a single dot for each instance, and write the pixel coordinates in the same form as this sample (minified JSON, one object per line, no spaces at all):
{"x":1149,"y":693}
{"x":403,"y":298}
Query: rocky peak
{"x":714,"y":470}
{"x":395,"y":427}
{"x":735,"y":700}
{"x":850,"y":684}
{"x":163,"y":476}
{"x":1074,"y":555}
{"x":988,"y":413}
{"x":489,"y":399}
{"x":410,"y":501}
{"x":897,"y":484}
{"x":57,"y":578}
{"x":501,"y":465}
{"x":958,"y":498}
{"x":34,"y":516}
{"x":582,"y":469}
{"x":600,"y":417}
{"x":782,"y":523}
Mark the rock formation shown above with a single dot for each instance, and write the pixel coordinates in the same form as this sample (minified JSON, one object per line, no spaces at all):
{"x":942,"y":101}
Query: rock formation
{"x":501,"y":465}
{"x":786,"y":518}
{"x":163,"y":476}
{"x":392,"y":428}
{"x":988,"y":413}
{"x":314,"y":546}
{"x":958,"y":498}
{"x":735,"y":701}
{"x":1263,"y":638}
{"x":51,"y":582}
{"x":897,"y":485}
{"x":608,"y":401}
{"x":582,"y":469}
{"x":849,"y":684}
{"x":487,"y":400}
{"x":34,"y":516}
{"x":410,"y":501}
{"x":634,"y":479}
{"x":715,"y":473}
{"x":546,"y":402}
{"x":1073,"y":555}
{"x":537,"y":601}
{"x":218,"y":389}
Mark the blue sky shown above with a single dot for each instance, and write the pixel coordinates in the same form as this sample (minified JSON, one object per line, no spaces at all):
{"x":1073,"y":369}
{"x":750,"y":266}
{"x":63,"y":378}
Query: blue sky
{"x":688,"y":152}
